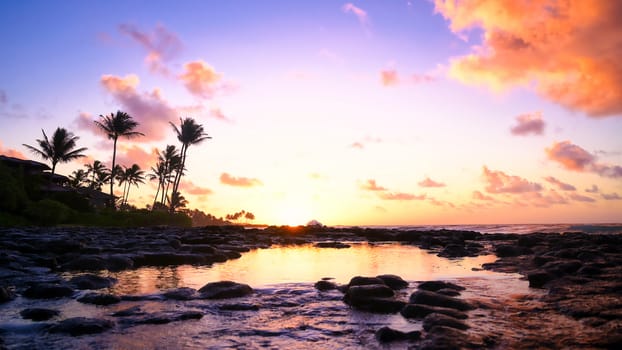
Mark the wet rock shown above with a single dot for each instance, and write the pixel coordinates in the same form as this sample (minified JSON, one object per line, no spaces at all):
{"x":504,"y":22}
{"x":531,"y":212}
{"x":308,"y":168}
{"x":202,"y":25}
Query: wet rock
{"x":378,"y":305}
{"x":421,"y":311}
{"x":437,"y":319}
{"x":373,"y":298}
{"x":130,"y":311}
{"x":449,"y":292}
{"x":168,"y":317}
{"x":434,"y":299}
{"x":368,"y":291}
{"x":324,"y":285}
{"x":85,"y":263}
{"x":119,"y":263}
{"x":337,"y":245}
{"x":38,"y":314}
{"x":48,"y":291}
{"x":168,"y":259}
{"x":444,"y":338}
{"x":393,"y":281}
{"x":387,"y":335}
{"x":90,"y":281}
{"x":508,"y":250}
{"x":433,"y":286}
{"x":225,"y":289}
{"x":6,"y":294}
{"x":183,"y":293}
{"x":361,"y":281}
{"x":538,"y":279}
{"x":99,"y":299}
{"x":81,"y":325}
{"x":454,"y":251}
{"x":562,"y":267}
{"x":238,"y":307}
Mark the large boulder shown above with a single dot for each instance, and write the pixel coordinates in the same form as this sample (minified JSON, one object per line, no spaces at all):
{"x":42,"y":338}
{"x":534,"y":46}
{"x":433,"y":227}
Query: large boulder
{"x":81,"y":325}
{"x":48,"y":291}
{"x":393,"y":281}
{"x":362,"y":292}
{"x":421,"y":311}
{"x":225,"y":289}
{"x":361,"y":281}
{"x":435,"y":319}
{"x":324,"y":285}
{"x":537,"y":279}
{"x":38,"y":314}
{"x":375,"y":298}
{"x":434,"y":286}
{"x":90,"y":281}
{"x":183,"y":293}
{"x":386,"y":335}
{"x":434,"y":299}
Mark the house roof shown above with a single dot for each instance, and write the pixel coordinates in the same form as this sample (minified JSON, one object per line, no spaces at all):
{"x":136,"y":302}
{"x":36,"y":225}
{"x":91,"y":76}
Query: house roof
{"x":27,"y":163}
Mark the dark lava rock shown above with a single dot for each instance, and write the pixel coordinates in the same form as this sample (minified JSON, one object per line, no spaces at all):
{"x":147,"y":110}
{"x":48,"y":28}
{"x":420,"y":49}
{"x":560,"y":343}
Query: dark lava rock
{"x":454,"y":251}
{"x":431,"y":298}
{"x":337,"y":245}
{"x":6,"y":294}
{"x":386,"y":335}
{"x":368,"y":291}
{"x":47,"y":291}
{"x":433,"y":286}
{"x":435,"y":319}
{"x":444,"y":338}
{"x":90,"y":281}
{"x":393,"y":281}
{"x":378,"y":305}
{"x":164,"y":318}
{"x":99,"y":299}
{"x":508,"y":250}
{"x":81,"y":325}
{"x":38,"y":314}
{"x":119,"y":262}
{"x":183,"y":293}
{"x":168,"y":259}
{"x":130,"y":311}
{"x":86,"y":263}
{"x":225,"y":289}
{"x":361,"y":281}
{"x":238,"y":307}
{"x":325,"y":285}
{"x":421,"y":311}
{"x":538,"y":279}
{"x":562,"y":267}
{"x":449,"y":292}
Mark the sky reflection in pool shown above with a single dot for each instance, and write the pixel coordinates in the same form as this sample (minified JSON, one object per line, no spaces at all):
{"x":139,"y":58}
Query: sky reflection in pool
{"x":306,"y":263}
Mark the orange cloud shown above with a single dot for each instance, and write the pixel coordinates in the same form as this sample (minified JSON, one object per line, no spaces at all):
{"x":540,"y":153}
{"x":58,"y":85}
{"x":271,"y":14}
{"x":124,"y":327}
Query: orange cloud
{"x":370,"y":185}
{"x":360,"y":14}
{"x":389,"y":77}
{"x":569,"y":51}
{"x":529,"y":123}
{"x":593,"y":189}
{"x":580,"y":198}
{"x":400,"y":196}
{"x":161,"y":45}
{"x":201,"y":79}
{"x":150,"y":110}
{"x":132,"y":154}
{"x":562,"y":186}
{"x":427,"y":182}
{"x":190,"y":188}
{"x":482,"y":197}
{"x":611,"y":196}
{"x":499,"y":182}
{"x":227,"y":179}
{"x":11,"y":152}
{"x":573,"y":157}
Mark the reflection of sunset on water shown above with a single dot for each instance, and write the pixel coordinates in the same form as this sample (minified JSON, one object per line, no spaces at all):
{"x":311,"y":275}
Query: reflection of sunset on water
{"x":306,"y":264}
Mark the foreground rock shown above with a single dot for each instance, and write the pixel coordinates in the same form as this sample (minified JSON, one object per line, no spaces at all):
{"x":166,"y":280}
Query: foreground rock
{"x":99,"y":299}
{"x":435,"y":299}
{"x":81,"y":325}
{"x":48,"y":291}
{"x":38,"y":314}
{"x":387,"y":335}
{"x":90,"y":281}
{"x":224,"y":290}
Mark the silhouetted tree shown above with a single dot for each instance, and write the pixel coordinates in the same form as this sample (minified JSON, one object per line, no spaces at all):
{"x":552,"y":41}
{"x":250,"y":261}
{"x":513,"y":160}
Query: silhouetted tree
{"x":116,"y":125}
{"x":98,"y":174}
{"x":78,"y":178}
{"x":130,"y":176}
{"x":60,"y":149}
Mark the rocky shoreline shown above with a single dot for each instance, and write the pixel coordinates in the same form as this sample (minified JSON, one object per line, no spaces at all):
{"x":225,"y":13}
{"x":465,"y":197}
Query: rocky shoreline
{"x":580,"y":276}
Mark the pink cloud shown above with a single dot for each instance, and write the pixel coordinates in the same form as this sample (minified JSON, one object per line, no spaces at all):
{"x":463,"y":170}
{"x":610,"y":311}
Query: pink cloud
{"x":611,"y":196}
{"x":427,"y":182}
{"x":568,"y":51}
{"x":161,"y":45}
{"x":389,"y":77}
{"x":573,"y":157}
{"x":217,"y":113}
{"x":499,"y":182}
{"x":562,"y":186}
{"x":227,"y":179}
{"x":358,"y":145}
{"x":150,"y":110}
{"x":482,"y":197}
{"x":593,"y":189}
{"x":360,"y":14}
{"x":370,"y":185}
{"x":11,"y":152}
{"x":529,"y":123}
{"x":201,"y":79}
{"x":581,"y":198}
{"x":190,"y":188}
{"x":400,"y":196}
{"x":538,"y":199}
{"x":365,"y":141}
{"x":128,"y":154}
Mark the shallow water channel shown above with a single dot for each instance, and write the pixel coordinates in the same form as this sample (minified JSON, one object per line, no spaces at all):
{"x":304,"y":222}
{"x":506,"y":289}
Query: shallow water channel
{"x":288,"y":311}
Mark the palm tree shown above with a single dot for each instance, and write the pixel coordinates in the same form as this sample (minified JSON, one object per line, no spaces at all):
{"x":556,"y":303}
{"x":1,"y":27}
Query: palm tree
{"x":97,"y":171}
{"x":60,"y":149}
{"x":115,"y":125}
{"x":131,"y":176}
{"x":177,"y":201}
{"x":171,"y":159}
{"x":188,"y":133}
{"x":78,"y":178}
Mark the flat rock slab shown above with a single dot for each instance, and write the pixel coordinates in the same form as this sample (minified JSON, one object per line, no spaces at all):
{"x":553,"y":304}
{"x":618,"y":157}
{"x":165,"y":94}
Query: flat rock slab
{"x":224,"y":290}
{"x":81,"y":325}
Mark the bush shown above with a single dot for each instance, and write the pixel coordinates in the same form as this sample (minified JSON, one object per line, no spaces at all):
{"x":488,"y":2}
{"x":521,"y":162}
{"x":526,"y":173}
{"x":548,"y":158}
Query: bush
{"x":48,"y":212}
{"x":13,"y":198}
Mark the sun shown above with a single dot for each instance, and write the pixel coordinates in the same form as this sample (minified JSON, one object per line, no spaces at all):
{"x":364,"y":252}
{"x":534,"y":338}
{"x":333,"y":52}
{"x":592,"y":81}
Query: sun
{"x":293,"y":215}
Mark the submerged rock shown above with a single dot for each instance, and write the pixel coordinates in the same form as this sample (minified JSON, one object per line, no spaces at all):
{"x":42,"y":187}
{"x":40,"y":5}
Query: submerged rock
{"x":48,"y":291}
{"x":225,"y":289}
{"x":386,"y":335}
{"x":183,"y":293}
{"x":324,"y":285}
{"x":130,"y":311}
{"x":81,"y":325}
{"x":337,"y":245}
{"x":168,"y":317}
{"x":437,"y":285}
{"x":431,"y":298}
{"x":421,"y":311}
{"x":437,"y":319}
{"x":38,"y":314}
{"x":393,"y":281}
{"x":99,"y":299}
{"x":6,"y":294}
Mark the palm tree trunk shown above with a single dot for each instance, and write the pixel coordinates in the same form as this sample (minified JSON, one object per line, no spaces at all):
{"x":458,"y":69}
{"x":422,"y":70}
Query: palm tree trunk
{"x":114,"y":158}
{"x":184,"y":148}
{"x":156,"y":195}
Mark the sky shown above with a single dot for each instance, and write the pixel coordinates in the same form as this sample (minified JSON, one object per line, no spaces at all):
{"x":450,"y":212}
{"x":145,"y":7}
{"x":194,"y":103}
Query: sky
{"x":350,"y":113}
